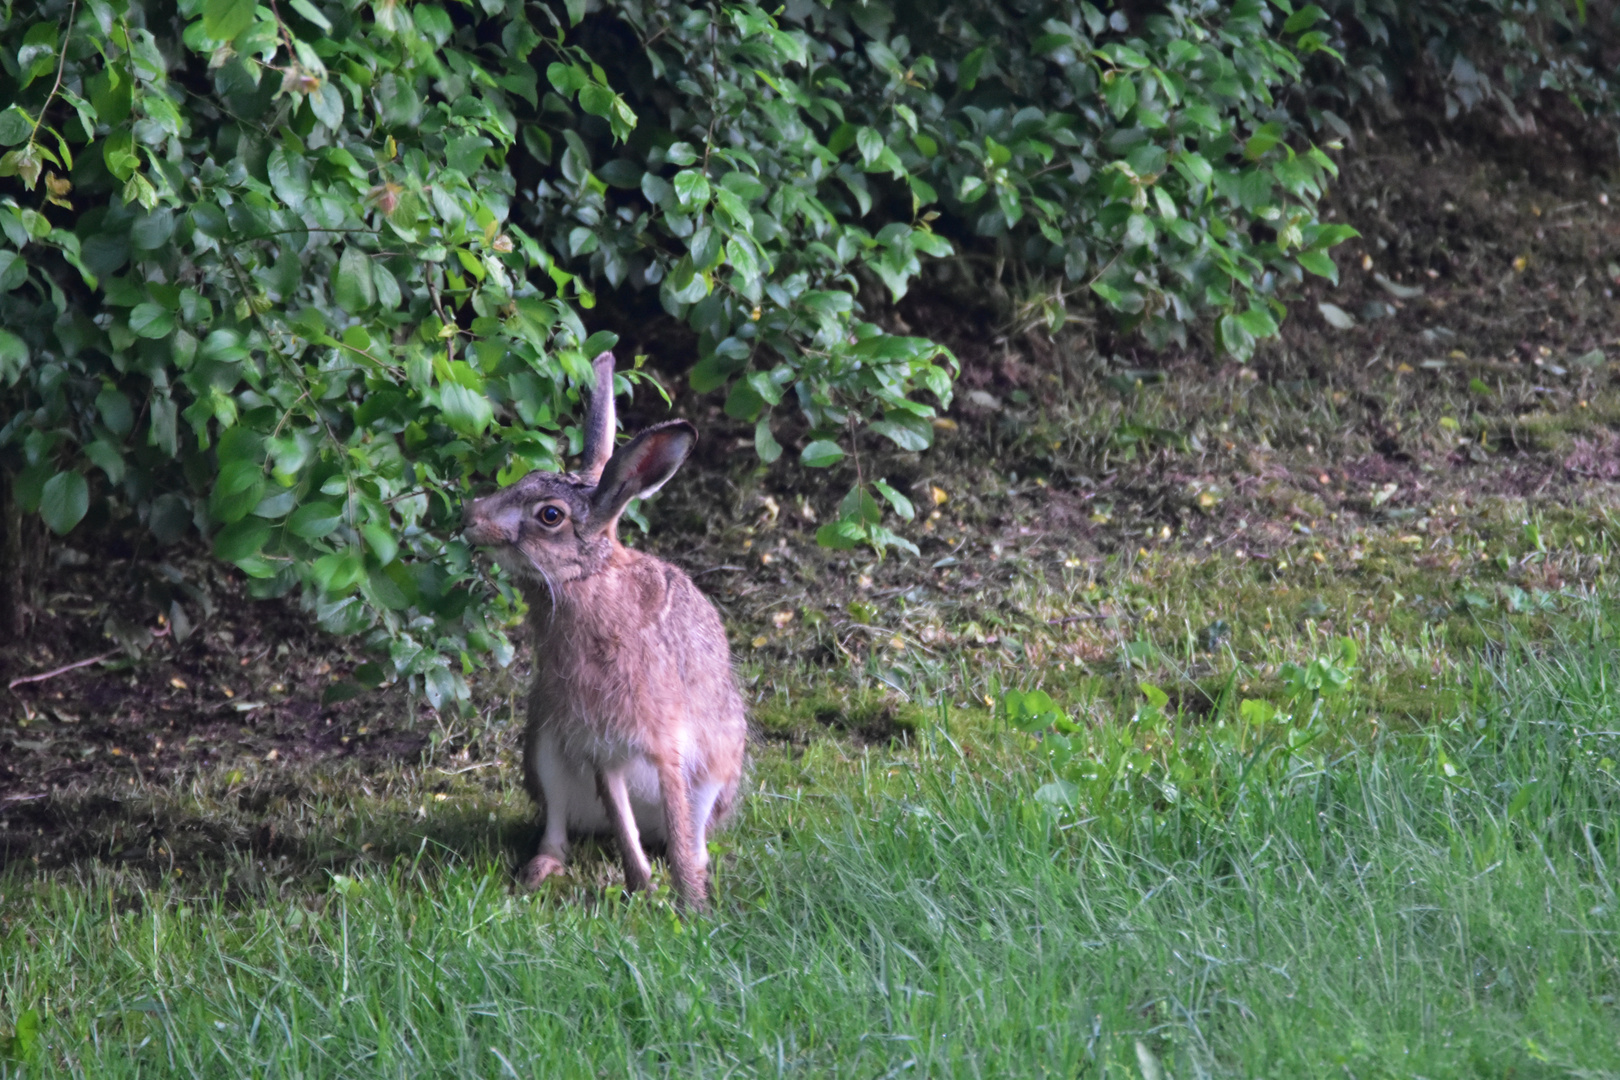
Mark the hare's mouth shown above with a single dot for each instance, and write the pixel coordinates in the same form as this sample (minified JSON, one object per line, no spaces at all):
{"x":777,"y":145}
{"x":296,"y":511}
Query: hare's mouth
{"x":516,"y":563}
{"x":524,"y":569}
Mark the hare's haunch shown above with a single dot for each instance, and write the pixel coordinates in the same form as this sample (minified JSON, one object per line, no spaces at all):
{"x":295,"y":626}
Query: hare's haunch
{"x":635,"y":726}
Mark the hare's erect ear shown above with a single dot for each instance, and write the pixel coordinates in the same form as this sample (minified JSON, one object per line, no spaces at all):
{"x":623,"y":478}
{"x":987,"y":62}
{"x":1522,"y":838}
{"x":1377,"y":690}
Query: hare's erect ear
{"x":641,"y":467}
{"x":599,"y":422}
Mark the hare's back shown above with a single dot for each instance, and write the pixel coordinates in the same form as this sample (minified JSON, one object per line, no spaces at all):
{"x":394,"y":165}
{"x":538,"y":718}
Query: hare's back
{"x":689,"y":631}
{"x":644,"y":629}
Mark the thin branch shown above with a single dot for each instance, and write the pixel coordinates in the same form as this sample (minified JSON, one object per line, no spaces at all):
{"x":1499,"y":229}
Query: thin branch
{"x":715,"y":569}
{"x":61,"y":66}
{"x":1087,"y":618}
{"x":63,"y":670}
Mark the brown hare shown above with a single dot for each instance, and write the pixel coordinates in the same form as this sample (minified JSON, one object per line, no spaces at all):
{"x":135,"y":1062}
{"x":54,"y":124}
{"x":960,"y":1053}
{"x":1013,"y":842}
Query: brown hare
{"x":635,"y":725}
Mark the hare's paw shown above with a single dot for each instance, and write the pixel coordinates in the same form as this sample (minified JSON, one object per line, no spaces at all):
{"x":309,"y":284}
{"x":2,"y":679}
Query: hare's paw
{"x":538,"y":869}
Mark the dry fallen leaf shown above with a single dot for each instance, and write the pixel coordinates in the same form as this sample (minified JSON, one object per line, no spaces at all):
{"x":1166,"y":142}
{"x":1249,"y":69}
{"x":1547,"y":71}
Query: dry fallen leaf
{"x":1336,"y":316}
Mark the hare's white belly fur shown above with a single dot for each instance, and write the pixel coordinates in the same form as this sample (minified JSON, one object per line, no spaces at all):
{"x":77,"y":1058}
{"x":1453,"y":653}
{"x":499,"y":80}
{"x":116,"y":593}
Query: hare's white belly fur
{"x":564,"y":772}
{"x":586,"y":813}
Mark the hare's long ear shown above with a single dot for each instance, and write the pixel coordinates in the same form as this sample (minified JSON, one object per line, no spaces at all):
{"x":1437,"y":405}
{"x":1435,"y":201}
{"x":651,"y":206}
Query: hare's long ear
{"x":600,"y":422}
{"x":641,"y":467}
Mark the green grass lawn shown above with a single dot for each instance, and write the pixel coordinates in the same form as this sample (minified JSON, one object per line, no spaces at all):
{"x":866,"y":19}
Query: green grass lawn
{"x":1435,"y":904}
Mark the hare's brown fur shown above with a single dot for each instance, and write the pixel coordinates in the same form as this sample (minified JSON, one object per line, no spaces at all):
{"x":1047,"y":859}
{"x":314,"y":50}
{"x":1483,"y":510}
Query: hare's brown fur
{"x":635,"y":725}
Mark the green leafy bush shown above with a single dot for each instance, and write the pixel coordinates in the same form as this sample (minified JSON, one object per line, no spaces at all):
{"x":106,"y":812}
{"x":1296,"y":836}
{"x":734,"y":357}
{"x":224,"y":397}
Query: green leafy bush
{"x":1508,"y":57}
{"x":297,"y":275}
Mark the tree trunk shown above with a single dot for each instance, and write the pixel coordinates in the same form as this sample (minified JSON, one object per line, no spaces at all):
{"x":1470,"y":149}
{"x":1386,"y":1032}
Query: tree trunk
{"x":16,"y":593}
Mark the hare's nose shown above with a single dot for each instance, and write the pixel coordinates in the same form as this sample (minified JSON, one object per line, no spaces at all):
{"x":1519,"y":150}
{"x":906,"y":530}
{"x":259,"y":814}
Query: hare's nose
{"x":474,"y":526}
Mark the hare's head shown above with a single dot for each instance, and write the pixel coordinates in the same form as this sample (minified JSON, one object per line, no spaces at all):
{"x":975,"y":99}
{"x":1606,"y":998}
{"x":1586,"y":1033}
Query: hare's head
{"x":552,"y":529}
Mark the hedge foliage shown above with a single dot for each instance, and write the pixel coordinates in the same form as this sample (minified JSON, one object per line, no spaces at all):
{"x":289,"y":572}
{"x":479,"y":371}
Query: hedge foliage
{"x":298,"y":274}
{"x":1512,"y":57}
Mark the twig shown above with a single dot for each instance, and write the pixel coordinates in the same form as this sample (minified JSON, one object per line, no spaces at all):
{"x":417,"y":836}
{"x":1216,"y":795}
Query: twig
{"x":61,"y":670}
{"x":1087,"y":618}
{"x":61,"y":66}
{"x":467,"y":768}
{"x":713,"y":569}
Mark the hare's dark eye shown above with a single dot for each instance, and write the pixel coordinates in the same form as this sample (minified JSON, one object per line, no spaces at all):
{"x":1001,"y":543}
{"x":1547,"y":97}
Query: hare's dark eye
{"x":549,"y":516}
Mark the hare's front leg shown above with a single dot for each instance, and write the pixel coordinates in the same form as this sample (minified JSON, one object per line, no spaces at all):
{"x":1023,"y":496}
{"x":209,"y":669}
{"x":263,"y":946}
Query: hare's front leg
{"x":613,"y":787}
{"x":543,"y":761}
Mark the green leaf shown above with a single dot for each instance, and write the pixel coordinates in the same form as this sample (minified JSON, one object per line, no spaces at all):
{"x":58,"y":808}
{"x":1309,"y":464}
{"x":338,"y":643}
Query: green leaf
{"x":64,"y":501}
{"x":901,"y":504}
{"x":313,"y":13}
{"x":337,"y":692}
{"x":241,"y":540}
{"x":118,"y":152}
{"x":352,"y":284}
{"x":821,"y":453}
{"x":434,"y":23}
{"x":108,"y":457}
{"x":237,"y":491}
{"x":24,"y":1044}
{"x":383,"y":543}
{"x":149,"y":320}
{"x":904,"y":434}
{"x":1119,"y":90}
{"x":15,"y":126}
{"x":967,"y":73}
{"x":339,"y":572}
{"x":1236,"y":339}
{"x":1259,"y":322}
{"x":327,"y":105}
{"x":596,"y":99}
{"x":224,"y":19}
{"x":13,"y":357}
{"x":466,"y":154}
{"x":1268,"y":136}
{"x":1303,"y":19}
{"x":1058,"y":793}
{"x":1319,"y":263}
{"x":468,"y":411}
{"x":692,"y":188}
{"x":765,"y":444}
{"x":858,"y":505}
{"x":316,"y":520}
{"x":841,"y":535}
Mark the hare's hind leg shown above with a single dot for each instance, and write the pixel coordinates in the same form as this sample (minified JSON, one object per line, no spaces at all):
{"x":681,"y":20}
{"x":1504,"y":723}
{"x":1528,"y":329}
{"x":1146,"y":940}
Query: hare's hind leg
{"x":613,"y":787}
{"x":689,"y":871}
{"x":705,"y":797}
{"x":548,"y":778}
